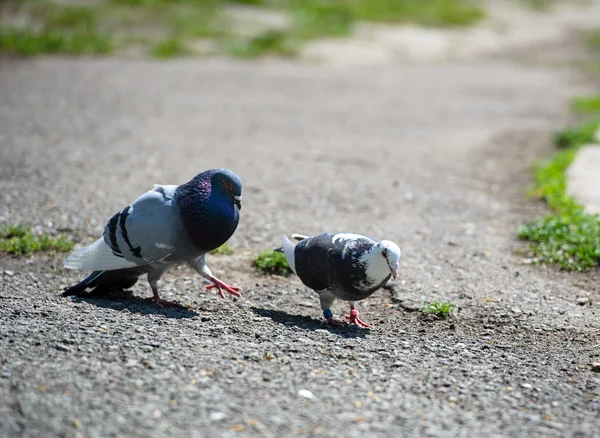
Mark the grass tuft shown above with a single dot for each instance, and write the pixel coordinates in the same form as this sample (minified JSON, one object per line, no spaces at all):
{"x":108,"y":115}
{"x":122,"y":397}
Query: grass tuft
{"x":431,"y":12}
{"x":441,"y":310}
{"x":568,"y":236}
{"x":31,"y":43}
{"x":20,"y":239}
{"x":272,"y":262}
{"x":170,"y":47}
{"x":571,"y":240}
{"x":268,"y":43}
{"x":224,"y":249}
{"x":575,"y":137}
{"x":586,"y":105}
{"x":312,"y":20}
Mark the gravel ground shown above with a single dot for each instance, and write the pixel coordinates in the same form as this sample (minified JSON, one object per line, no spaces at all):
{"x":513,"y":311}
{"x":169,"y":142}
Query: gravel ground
{"x":435,"y":157}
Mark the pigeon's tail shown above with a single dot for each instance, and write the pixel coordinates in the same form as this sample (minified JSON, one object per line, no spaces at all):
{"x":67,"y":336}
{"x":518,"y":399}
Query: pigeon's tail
{"x":97,"y":256}
{"x":103,"y":281}
{"x":289,"y":249}
{"x":299,"y":237}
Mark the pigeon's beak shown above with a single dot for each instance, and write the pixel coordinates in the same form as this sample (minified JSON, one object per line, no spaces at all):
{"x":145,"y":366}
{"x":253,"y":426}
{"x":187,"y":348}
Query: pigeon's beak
{"x":394,"y":272}
{"x":238,"y":201}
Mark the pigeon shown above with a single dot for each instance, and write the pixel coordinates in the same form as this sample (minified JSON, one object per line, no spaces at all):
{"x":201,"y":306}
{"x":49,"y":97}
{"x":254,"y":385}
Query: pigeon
{"x":165,"y":227}
{"x":347,"y":266}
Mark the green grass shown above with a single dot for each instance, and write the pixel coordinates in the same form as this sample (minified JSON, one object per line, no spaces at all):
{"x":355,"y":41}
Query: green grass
{"x":575,"y":137}
{"x":201,"y":20}
{"x":431,"y":12}
{"x":99,"y":28}
{"x":441,"y":310}
{"x":320,"y":19}
{"x":272,"y":262}
{"x":586,"y":105}
{"x":20,"y":239}
{"x":268,"y":43}
{"x":56,"y":29}
{"x":224,"y":249}
{"x":31,"y":43}
{"x":593,"y":39}
{"x":570,"y":240}
{"x":569,"y":236}
{"x":169,"y":48}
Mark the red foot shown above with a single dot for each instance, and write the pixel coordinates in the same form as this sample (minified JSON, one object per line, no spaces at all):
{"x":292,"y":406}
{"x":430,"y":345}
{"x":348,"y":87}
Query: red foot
{"x":354,"y":319}
{"x":161,"y":303}
{"x":219,"y":285}
{"x":333,"y":322}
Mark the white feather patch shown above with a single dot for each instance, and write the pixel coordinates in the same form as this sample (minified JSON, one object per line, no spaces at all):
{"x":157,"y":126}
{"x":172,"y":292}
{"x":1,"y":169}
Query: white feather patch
{"x":376,"y":267}
{"x":97,"y":257}
{"x":351,"y":240}
{"x":346,"y":236}
{"x":289,"y":250}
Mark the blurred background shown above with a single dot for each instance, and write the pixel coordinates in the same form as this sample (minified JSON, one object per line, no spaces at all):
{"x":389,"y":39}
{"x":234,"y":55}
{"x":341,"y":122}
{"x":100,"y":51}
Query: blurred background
{"x":240,"y":28}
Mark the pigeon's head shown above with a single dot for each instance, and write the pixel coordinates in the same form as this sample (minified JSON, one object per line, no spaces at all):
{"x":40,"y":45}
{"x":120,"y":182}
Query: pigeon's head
{"x":228,"y":184}
{"x":391,"y":253}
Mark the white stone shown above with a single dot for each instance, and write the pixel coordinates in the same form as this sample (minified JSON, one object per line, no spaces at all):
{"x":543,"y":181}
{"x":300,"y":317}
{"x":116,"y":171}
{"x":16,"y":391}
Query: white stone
{"x":305,"y":393}
{"x":217,"y":416}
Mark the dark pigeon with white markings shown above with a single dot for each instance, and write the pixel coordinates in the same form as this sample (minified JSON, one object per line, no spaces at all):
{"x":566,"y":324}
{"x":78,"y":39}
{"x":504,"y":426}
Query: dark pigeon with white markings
{"x":347,"y":266}
{"x":165,"y":227}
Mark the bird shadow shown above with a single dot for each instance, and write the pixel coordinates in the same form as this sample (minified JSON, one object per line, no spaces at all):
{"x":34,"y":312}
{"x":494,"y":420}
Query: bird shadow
{"x":308,"y":323}
{"x":124,"y":300}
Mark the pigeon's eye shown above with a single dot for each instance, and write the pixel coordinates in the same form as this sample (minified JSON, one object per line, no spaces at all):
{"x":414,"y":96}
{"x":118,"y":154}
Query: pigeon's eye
{"x":383,"y":253}
{"x":228,"y":186}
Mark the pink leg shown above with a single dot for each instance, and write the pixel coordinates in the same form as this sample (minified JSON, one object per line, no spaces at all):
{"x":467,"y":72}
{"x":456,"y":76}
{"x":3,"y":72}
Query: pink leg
{"x":159,"y":301}
{"x":354,"y":319}
{"x":219,"y":285}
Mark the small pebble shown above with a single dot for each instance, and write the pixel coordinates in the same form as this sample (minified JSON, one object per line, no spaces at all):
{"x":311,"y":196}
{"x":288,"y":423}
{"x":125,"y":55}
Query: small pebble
{"x":596,"y":367}
{"x":582,"y":301}
{"x":217,"y":416}
{"x":526,"y":385}
{"x":9,"y":273}
{"x":305,"y":393}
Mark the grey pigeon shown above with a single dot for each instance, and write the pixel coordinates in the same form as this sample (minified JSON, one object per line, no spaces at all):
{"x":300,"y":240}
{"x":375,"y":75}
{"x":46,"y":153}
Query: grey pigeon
{"x":346,"y":266}
{"x":163,"y":228}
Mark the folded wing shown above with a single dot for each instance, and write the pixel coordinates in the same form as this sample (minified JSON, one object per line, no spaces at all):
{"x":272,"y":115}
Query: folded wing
{"x":143,"y":233}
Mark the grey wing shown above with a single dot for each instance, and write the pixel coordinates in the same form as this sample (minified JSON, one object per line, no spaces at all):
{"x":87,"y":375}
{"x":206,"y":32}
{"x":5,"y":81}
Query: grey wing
{"x":146,"y":231}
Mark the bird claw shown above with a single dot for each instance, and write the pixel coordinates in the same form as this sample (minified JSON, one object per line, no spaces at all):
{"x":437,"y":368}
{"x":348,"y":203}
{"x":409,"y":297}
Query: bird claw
{"x":166,"y":303}
{"x":333,"y":322}
{"x":354,"y":319}
{"x":219,"y":285}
